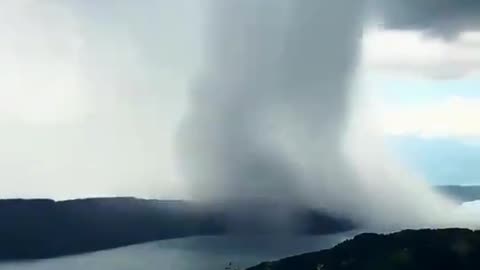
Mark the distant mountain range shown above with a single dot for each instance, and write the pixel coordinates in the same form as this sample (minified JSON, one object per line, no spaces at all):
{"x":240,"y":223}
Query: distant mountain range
{"x":32,"y":229}
{"x":461,"y":193}
{"x":457,"y":249}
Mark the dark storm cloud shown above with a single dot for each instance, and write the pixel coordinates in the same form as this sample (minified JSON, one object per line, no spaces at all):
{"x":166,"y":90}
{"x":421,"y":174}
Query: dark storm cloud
{"x":273,"y":101}
{"x":438,"y":17}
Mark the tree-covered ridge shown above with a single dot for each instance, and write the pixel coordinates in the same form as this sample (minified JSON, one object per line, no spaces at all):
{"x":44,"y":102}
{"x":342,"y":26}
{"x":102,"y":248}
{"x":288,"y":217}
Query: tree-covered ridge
{"x":445,"y":249}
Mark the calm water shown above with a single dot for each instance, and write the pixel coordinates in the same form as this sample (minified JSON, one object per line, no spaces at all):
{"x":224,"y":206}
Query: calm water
{"x":196,"y":253}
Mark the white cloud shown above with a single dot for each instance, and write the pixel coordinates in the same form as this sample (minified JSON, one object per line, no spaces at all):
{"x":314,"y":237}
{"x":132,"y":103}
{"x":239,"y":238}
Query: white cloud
{"x":452,"y":117}
{"x":91,"y":96}
{"x":472,"y":207}
{"x":41,"y":77}
{"x":402,"y":53}
{"x":413,"y":52}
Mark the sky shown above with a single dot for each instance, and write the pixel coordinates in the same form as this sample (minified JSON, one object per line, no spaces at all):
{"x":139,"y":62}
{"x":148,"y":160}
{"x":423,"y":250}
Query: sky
{"x":91,"y":96}
{"x":427,"y":100}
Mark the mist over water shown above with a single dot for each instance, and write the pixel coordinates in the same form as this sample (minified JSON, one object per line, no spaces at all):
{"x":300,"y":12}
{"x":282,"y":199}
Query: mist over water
{"x":272,"y":102}
{"x":274,"y":117}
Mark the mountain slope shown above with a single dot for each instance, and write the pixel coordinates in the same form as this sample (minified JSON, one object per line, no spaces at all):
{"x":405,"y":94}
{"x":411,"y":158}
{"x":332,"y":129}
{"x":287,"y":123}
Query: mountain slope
{"x":31,"y":229}
{"x":423,"y":249}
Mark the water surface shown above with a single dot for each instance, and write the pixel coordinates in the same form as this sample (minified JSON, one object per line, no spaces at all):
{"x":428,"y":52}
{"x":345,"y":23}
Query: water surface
{"x":195,"y":253}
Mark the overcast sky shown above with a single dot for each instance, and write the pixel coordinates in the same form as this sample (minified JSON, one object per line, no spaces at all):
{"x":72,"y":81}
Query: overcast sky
{"x":91,"y":95}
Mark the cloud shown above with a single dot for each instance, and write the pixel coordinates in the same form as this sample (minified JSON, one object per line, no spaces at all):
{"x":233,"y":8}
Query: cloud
{"x":49,"y":94}
{"x":274,"y":95}
{"x":271,"y":118}
{"x":455,"y":117}
{"x":90,"y":96}
{"x":473,"y":207}
{"x":414,"y":53}
{"x":445,"y":18}
{"x":439,"y":39}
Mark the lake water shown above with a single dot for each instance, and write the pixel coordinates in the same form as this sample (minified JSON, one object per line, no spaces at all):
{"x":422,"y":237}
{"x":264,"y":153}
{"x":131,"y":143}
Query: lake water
{"x":195,"y":253}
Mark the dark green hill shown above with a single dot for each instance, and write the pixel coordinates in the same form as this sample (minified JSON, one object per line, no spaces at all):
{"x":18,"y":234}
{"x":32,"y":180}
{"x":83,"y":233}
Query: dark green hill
{"x":33,"y":229}
{"x":448,"y":249}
